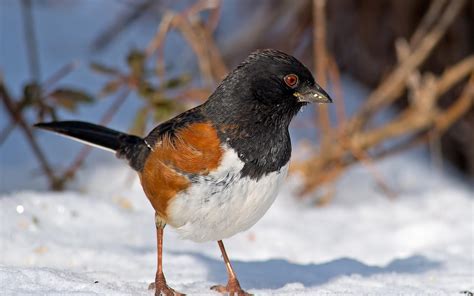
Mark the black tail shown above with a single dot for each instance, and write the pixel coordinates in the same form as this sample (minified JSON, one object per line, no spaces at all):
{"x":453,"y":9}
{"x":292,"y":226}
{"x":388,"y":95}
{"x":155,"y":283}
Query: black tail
{"x":129,"y":147}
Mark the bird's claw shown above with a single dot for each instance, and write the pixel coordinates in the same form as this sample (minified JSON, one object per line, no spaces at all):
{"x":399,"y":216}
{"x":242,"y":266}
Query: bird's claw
{"x":163,"y":289}
{"x":230,"y":289}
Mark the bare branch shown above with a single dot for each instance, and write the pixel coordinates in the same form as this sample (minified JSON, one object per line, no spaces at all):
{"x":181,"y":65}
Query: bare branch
{"x":86,"y":150}
{"x":321,"y":64}
{"x":58,"y":75}
{"x":31,"y":41}
{"x":25,"y":127}
{"x":457,"y":109}
{"x":430,"y":18}
{"x":121,"y":23}
{"x":6,"y":131}
{"x":337,"y":87}
{"x":454,"y":74}
{"x":393,"y":85}
{"x":421,"y":117}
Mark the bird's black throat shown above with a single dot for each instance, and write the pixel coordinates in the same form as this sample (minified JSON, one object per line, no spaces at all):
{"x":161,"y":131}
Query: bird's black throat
{"x":257,"y":132}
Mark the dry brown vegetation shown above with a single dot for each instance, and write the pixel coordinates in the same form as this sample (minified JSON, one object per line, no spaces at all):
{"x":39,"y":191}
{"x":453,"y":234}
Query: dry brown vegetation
{"x":352,"y":140}
{"x":355,"y":140}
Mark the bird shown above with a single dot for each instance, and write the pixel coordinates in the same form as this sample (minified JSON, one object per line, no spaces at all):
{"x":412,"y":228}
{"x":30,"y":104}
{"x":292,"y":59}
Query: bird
{"x":214,"y":170}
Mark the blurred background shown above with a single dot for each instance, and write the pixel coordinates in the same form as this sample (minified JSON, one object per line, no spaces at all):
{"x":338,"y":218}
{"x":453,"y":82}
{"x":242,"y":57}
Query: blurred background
{"x":401,"y":74}
{"x":145,"y":61}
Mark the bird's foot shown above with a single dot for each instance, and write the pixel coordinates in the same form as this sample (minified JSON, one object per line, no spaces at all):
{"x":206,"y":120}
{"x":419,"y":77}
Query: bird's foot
{"x":161,"y":288}
{"x":232,"y":289}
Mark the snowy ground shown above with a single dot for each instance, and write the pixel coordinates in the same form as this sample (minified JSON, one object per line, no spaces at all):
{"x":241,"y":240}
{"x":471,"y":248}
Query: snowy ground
{"x":102,"y":241}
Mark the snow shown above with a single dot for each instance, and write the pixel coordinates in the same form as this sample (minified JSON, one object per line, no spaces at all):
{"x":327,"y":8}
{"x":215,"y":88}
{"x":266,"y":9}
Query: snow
{"x":101,"y":240}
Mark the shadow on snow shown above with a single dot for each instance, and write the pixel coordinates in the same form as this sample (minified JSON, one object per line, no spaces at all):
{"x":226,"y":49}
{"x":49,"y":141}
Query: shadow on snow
{"x":276,"y":273}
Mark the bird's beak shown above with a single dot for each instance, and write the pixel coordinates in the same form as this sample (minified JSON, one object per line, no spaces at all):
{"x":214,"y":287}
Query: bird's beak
{"x":313,"y":94}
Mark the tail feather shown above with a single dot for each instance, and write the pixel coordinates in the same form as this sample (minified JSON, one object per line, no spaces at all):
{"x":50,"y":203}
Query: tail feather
{"x":129,"y":147}
{"x":85,"y":132}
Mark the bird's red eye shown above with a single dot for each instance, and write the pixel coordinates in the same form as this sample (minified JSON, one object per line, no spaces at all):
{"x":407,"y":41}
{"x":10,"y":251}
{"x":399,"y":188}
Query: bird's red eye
{"x":291,"y":80}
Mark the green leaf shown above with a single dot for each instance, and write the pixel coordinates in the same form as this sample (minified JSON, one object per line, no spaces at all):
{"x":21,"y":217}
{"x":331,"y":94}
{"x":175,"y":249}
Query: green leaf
{"x":103,"y":69}
{"x":69,"y":99}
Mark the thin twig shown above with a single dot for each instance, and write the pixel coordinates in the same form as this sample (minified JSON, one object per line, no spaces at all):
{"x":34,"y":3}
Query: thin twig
{"x":321,"y":63}
{"x":458,"y":108}
{"x":7,"y":131}
{"x":121,"y":23}
{"x":392,"y":87}
{"x":58,"y":75}
{"x":201,"y":5}
{"x":420,"y":138}
{"x":337,"y":88}
{"x":162,"y":30}
{"x":198,"y":36}
{"x":430,"y":18}
{"x":31,"y":41}
{"x":156,"y":44}
{"x":434,"y":146}
{"x":25,"y":127}
{"x":209,"y":59}
{"x":214,"y":17}
{"x":219,"y":68}
{"x":454,"y":74}
{"x":45,"y":88}
{"x":86,"y":150}
{"x":442,"y":122}
{"x":366,"y":160}
{"x":420,"y":117}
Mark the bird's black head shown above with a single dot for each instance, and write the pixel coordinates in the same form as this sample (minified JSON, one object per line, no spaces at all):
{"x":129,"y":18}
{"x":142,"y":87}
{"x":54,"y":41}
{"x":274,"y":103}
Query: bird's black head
{"x":253,"y":106}
{"x":268,"y":83}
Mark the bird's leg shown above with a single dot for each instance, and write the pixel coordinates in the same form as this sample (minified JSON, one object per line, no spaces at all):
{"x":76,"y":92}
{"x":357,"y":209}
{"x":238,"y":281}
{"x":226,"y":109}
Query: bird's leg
{"x":160,"y":286}
{"x":233,"y":287}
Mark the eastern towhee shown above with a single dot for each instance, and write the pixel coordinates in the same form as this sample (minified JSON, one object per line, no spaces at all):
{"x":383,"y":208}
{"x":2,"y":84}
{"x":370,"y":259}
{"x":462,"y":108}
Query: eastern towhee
{"x":214,"y":170}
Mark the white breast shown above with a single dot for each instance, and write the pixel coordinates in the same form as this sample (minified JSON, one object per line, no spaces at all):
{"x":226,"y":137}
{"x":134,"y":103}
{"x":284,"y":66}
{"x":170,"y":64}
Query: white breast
{"x":222,"y":203}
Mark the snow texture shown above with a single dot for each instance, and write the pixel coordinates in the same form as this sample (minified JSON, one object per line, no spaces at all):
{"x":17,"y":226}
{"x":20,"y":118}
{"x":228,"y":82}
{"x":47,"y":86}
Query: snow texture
{"x":102,"y":241}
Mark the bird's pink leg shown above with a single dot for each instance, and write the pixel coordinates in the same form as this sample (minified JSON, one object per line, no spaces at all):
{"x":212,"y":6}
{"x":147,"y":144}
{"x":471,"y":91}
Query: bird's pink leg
{"x":160,"y":286}
{"x":233,"y":287}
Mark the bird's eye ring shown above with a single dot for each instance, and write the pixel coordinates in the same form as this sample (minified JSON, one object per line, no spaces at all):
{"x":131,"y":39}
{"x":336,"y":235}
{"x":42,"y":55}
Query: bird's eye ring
{"x":291,"y":80}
